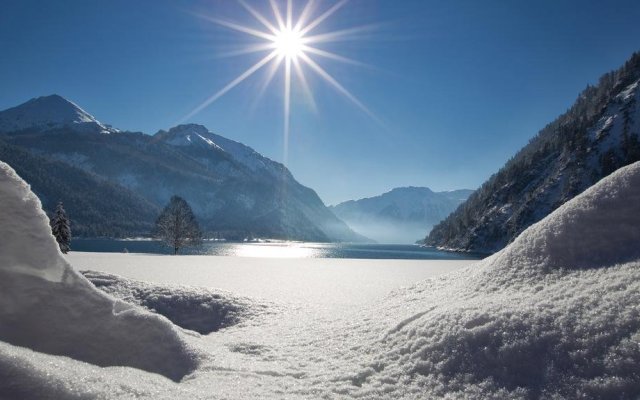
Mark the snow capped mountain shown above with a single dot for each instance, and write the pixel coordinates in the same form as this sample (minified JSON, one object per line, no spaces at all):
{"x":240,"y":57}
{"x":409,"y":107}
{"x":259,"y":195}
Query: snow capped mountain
{"x":402,"y":215}
{"x":195,"y":135}
{"x":49,"y":113}
{"x":187,"y":135}
{"x":235,"y":192}
{"x":597,"y":135}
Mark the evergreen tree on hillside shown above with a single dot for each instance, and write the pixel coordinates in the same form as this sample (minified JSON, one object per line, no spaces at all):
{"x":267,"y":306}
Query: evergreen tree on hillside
{"x":60,"y":227}
{"x":176,"y":226}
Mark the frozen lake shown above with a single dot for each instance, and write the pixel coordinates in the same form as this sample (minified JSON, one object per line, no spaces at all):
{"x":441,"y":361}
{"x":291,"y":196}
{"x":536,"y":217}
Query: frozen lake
{"x":317,"y":281}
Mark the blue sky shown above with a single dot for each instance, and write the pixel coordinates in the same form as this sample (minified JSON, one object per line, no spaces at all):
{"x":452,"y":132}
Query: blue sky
{"x":458,"y":86}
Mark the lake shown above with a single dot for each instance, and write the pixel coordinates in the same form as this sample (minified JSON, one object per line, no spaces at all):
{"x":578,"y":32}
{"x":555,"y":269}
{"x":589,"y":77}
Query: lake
{"x":276,"y":249}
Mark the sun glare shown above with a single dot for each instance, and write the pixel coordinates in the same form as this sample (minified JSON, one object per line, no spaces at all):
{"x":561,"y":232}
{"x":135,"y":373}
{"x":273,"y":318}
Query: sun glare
{"x":288,"y":43}
{"x":291,"y":47}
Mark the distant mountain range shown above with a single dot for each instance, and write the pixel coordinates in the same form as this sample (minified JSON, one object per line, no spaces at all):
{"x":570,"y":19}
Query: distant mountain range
{"x":402,"y":215}
{"x":597,"y":135}
{"x":114,"y":183}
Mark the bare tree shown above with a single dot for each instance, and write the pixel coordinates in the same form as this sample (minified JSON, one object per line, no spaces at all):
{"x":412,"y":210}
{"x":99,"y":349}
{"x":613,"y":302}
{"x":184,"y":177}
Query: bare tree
{"x":176,"y":226}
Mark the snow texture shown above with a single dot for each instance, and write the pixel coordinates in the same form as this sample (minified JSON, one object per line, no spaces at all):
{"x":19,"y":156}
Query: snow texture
{"x":554,"y":315}
{"x":198,"y":309}
{"x":46,"y":306}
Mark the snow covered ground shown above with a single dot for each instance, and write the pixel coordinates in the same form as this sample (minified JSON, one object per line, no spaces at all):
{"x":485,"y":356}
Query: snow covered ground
{"x":554,"y":315}
{"x":313,"y":282}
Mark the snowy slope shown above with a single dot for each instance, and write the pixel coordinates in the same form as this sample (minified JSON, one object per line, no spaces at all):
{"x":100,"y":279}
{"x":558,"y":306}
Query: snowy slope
{"x":552,"y":316}
{"x":48,"y":307}
{"x":600,"y":133}
{"x":294,"y":207}
{"x":48,"y":113}
{"x":196,"y":309}
{"x":198,"y":135}
{"x":235,"y":192}
{"x":402,"y":215}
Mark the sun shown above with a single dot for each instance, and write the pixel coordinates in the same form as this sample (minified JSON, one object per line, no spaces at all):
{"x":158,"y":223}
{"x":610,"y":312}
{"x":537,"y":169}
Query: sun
{"x":291,"y":46}
{"x":289,"y":43}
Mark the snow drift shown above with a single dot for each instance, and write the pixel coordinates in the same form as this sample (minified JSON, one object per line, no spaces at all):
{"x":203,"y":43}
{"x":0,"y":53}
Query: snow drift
{"x":198,"y":309}
{"x":46,"y":306}
{"x":554,"y":315}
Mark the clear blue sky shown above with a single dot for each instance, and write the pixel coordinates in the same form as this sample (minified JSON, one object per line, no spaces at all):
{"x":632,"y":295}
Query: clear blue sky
{"x":459,"y":86}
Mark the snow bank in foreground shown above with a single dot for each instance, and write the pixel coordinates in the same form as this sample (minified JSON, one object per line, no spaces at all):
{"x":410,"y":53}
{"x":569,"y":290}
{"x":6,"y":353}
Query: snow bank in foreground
{"x":198,"y":309}
{"x":554,"y":315}
{"x":46,"y":306}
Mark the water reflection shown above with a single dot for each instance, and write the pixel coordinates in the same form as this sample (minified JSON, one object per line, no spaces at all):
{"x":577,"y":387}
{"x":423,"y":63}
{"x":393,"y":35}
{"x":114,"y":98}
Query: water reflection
{"x":275,"y":250}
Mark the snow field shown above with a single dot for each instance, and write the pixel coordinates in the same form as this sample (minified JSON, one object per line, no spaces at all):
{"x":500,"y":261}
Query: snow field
{"x":196,"y":309}
{"x":46,"y":306}
{"x":554,"y":315}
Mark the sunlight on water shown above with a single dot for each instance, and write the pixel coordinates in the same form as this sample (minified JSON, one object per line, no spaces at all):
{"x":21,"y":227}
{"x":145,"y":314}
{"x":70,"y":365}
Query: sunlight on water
{"x":275,"y":250}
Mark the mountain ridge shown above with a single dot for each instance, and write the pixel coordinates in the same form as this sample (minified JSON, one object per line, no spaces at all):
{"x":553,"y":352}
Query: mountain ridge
{"x":597,"y":135}
{"x":235,"y":191}
{"x":50,"y":112}
{"x":400,"y":215}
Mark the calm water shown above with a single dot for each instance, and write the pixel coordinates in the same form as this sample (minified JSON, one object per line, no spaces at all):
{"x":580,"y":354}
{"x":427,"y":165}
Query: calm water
{"x":288,"y":250}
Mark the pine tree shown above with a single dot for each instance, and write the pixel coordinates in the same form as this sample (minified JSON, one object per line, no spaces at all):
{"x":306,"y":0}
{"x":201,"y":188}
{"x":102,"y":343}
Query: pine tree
{"x":176,"y":226}
{"x":60,"y":227}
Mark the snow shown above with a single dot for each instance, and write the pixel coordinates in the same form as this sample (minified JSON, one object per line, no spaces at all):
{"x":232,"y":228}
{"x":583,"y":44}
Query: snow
{"x":184,"y":135}
{"x":181,"y":135}
{"x":198,"y":309}
{"x":50,"y":112}
{"x":554,"y":315}
{"x":46,"y":306}
{"x":322,"y":283}
{"x":608,"y":131}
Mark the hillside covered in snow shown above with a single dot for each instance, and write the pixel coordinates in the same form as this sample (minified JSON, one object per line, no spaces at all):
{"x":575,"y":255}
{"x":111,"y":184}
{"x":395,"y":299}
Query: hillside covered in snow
{"x":597,"y":135}
{"x":553,"y":315}
{"x":235,"y":192}
{"x":402,"y":215}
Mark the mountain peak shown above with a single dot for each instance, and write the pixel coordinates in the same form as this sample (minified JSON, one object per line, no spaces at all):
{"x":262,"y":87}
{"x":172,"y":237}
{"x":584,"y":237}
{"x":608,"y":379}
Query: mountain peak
{"x":190,"y":127}
{"x":186,"y":135}
{"x":400,"y":215}
{"x":47,"y":113}
{"x":411,"y":189}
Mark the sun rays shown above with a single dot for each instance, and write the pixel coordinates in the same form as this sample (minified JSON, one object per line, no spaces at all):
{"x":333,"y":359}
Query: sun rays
{"x":289,"y":43}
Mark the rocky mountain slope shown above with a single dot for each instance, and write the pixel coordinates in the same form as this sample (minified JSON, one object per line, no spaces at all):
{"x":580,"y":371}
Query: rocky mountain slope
{"x":234,"y":191}
{"x":402,"y":215}
{"x":596,"y":136}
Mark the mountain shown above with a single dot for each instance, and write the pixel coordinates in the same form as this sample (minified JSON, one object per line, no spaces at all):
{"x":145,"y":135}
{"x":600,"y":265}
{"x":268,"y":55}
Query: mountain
{"x":597,"y":135}
{"x":98,"y":207}
{"x":50,"y":112}
{"x":402,"y":215}
{"x":234,"y":191}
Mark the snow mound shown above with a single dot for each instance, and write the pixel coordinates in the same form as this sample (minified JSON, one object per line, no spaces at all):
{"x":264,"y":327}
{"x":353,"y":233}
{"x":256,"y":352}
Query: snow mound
{"x":198,"y":309}
{"x":600,"y":228}
{"x":554,"y":315}
{"x":46,"y":306}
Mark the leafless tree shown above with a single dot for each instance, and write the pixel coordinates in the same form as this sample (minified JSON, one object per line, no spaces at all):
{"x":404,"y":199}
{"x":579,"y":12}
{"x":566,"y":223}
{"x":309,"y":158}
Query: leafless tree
{"x":176,"y":226}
